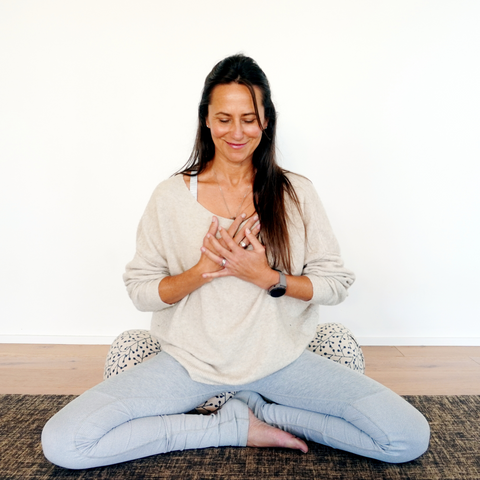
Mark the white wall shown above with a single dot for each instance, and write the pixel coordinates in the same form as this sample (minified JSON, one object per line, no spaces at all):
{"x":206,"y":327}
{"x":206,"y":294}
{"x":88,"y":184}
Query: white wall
{"x":379,"y":105}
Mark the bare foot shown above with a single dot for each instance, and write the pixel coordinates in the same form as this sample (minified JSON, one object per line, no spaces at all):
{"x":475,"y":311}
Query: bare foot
{"x":262,"y":435}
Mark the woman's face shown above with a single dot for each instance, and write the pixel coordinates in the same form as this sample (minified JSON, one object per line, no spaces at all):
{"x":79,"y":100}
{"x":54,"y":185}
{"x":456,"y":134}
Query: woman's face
{"x":232,"y":122}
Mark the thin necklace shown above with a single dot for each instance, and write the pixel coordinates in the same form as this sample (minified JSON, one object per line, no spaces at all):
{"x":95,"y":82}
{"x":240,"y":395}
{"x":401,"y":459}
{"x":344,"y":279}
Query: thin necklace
{"x":225,"y":202}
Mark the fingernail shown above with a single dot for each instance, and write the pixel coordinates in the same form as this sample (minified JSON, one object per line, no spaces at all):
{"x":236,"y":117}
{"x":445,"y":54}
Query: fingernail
{"x":203,"y":249}
{"x":255,"y":217}
{"x":208,"y":235}
{"x":243,"y":215}
{"x":220,"y":228}
{"x":247,"y":230}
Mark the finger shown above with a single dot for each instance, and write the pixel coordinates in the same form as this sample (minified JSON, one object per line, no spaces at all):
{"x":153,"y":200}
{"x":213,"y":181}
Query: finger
{"x":245,"y":242}
{"x":231,"y":244}
{"x":250,"y":223}
{"x":221,"y":273}
{"x":241,"y":233}
{"x":253,"y":240}
{"x":209,"y":247}
{"x":217,"y":246}
{"x":214,"y":258}
{"x":213,"y":226}
{"x":232,"y":230}
{"x":212,"y":230}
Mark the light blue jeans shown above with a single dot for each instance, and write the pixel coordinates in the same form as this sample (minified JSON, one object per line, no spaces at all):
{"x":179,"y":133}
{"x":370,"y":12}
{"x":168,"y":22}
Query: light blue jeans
{"x":142,"y":412}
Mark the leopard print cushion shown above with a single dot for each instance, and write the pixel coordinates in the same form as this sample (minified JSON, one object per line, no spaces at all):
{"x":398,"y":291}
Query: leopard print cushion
{"x":129,"y":349}
{"x":337,"y":343}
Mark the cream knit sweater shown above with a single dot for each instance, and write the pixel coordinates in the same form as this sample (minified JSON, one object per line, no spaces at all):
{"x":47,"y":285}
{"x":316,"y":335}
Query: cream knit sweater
{"x":230,"y":331}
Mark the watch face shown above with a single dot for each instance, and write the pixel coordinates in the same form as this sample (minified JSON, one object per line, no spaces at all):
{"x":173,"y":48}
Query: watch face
{"x":280,"y":288}
{"x":277,"y":292}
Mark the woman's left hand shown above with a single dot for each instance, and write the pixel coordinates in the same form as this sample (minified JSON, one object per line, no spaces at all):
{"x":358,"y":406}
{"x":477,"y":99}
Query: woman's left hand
{"x":249,"y":265}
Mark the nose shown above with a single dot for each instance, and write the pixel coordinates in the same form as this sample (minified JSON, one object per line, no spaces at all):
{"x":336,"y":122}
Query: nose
{"x":237,"y":131}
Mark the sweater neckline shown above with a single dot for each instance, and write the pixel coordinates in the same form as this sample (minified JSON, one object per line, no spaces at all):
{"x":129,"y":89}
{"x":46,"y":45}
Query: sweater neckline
{"x":196,"y":202}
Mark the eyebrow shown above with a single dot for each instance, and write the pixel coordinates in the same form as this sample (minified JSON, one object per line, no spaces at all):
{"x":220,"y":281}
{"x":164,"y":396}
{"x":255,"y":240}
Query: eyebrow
{"x":229,"y":115}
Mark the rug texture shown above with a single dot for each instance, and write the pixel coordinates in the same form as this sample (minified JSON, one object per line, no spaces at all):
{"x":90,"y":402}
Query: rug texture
{"x":454,"y":451}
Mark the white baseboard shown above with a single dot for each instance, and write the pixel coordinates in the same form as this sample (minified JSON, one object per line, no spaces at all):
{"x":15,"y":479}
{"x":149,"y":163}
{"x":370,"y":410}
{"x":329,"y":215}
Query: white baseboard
{"x":364,"y":341}
{"x":420,"y":341}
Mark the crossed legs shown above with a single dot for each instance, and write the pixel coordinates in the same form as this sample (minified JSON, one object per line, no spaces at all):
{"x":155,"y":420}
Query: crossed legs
{"x":141,"y":413}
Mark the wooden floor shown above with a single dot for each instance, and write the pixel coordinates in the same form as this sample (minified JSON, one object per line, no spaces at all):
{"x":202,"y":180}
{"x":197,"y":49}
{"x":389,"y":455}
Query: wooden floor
{"x":72,"y":369}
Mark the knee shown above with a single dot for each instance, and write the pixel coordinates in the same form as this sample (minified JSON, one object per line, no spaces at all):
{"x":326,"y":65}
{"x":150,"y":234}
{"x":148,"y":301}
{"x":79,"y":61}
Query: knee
{"x":56,"y":445}
{"x":398,"y":431}
{"x":67,"y":438}
{"x":408,"y":439}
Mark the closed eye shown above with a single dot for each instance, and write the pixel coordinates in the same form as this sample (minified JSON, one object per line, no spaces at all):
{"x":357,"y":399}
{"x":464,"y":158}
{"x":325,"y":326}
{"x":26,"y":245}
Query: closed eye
{"x":227,"y":120}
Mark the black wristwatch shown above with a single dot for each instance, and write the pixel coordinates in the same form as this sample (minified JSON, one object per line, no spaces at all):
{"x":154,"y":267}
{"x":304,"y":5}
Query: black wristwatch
{"x":280,"y":288}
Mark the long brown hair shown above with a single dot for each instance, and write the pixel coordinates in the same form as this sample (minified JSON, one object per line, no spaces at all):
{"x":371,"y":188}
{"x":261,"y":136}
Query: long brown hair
{"x":270,"y":183}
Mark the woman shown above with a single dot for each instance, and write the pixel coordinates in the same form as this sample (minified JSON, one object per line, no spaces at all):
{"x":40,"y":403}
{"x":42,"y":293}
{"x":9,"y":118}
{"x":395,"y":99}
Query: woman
{"x":234,"y":255}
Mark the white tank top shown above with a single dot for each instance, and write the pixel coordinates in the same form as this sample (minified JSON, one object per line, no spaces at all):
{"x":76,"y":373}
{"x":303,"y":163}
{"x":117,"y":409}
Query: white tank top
{"x":193,"y":186}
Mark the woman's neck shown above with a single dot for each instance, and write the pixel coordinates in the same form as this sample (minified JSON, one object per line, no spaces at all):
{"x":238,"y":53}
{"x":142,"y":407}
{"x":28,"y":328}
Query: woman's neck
{"x":232,"y":174}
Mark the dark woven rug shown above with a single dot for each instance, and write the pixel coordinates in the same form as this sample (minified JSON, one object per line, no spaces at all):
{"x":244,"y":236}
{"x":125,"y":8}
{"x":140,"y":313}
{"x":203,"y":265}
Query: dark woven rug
{"x":454,"y":450}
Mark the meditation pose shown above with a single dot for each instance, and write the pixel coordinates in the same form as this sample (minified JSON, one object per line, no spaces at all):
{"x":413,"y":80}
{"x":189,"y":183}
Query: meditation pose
{"x":234,"y":257}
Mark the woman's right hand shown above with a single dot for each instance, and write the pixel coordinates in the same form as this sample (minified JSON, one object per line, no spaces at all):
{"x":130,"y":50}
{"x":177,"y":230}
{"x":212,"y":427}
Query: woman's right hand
{"x":236,"y":231}
{"x":205,"y":265}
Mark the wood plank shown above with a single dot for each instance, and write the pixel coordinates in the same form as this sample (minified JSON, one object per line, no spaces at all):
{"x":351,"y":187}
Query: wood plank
{"x":426,"y":375}
{"x":45,"y":363}
{"x":447,"y":364}
{"x":51,"y":381}
{"x":440,"y":351}
{"x":53,"y":350}
{"x":41,"y":390}
{"x":381,"y":351}
{"x":426,"y":383}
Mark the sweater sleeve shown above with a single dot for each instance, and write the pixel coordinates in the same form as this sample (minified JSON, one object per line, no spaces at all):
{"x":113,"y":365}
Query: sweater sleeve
{"x":149,"y":265}
{"x":323,"y":264}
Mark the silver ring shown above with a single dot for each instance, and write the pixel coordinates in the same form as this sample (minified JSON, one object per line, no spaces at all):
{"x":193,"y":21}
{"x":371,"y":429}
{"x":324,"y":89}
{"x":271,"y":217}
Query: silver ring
{"x":243,"y":244}
{"x":224,"y":262}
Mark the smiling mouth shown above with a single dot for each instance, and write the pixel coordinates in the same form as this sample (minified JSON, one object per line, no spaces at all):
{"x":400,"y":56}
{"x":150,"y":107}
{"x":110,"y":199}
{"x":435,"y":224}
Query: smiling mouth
{"x":236,"y":145}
